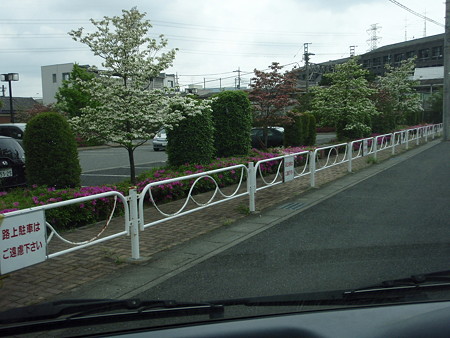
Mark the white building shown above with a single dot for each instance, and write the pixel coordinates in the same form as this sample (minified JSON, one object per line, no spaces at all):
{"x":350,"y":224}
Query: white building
{"x":53,"y":76}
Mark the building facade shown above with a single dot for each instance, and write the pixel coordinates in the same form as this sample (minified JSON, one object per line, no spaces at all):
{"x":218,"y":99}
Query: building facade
{"x":428,"y":51}
{"x":53,"y":76}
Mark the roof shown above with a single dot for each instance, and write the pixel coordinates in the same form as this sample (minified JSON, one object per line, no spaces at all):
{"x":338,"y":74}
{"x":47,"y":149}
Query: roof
{"x":409,"y":43}
{"x":19,"y":104}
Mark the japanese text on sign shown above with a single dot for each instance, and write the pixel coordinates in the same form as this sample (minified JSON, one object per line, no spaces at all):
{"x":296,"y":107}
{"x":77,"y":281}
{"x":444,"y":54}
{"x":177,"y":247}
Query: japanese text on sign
{"x":23,"y":241}
{"x":289,"y":168}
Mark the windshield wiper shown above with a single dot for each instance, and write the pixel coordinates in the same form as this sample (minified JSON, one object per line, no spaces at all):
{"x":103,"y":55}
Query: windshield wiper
{"x":422,"y":282}
{"x":71,"y":313}
{"x":413,"y":288}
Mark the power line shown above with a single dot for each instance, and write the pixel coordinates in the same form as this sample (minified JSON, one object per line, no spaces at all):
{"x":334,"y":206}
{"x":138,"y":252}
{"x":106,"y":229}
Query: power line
{"x":417,"y":14}
{"x":205,"y":74}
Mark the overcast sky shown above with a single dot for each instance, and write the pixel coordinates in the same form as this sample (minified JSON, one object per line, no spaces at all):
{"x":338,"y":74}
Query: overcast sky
{"x":214,"y":37}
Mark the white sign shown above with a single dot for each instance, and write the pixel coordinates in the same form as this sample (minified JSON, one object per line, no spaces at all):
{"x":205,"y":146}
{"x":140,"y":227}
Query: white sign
{"x":288,"y":168}
{"x":23,"y":240}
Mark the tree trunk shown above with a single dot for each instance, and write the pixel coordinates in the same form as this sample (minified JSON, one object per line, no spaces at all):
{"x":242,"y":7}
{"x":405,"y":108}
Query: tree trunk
{"x":132,"y":167}
{"x":265,"y":136}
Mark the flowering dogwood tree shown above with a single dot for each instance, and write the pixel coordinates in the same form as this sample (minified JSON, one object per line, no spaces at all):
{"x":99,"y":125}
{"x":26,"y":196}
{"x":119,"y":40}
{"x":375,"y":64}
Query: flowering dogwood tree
{"x":346,"y":103}
{"x":397,"y":97}
{"x":126,"y":112}
{"x":272,"y":94}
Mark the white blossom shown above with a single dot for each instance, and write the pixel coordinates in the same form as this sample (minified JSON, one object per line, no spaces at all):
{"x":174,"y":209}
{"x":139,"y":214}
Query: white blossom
{"x":123,"y":109}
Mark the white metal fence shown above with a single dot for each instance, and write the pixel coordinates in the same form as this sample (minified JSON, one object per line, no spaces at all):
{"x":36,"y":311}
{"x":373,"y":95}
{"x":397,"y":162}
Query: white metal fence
{"x":288,"y":167}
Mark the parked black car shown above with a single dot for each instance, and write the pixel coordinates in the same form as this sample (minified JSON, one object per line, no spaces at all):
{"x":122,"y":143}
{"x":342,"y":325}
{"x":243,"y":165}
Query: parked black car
{"x":275,"y":137}
{"x":14,"y":130}
{"x":12,"y":163}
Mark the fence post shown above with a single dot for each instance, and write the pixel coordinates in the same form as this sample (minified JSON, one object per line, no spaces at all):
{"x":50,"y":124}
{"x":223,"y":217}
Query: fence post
{"x":393,"y":143}
{"x":312,"y":168}
{"x":134,"y":223}
{"x":407,"y":139}
{"x":350,"y":156}
{"x":251,"y":186}
{"x":375,"y":147}
{"x":417,"y":136}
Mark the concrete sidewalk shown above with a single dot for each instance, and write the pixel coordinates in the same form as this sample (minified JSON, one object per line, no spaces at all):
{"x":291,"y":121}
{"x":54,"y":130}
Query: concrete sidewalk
{"x":104,"y":271}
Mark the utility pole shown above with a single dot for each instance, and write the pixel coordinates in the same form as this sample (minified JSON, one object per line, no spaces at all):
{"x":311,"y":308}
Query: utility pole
{"x":306,"y":55}
{"x":446,"y":109}
{"x":238,"y":78}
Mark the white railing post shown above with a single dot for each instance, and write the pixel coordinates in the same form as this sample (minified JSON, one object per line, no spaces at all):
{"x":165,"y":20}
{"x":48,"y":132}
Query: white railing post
{"x":417,"y":136}
{"x":350,"y":156}
{"x":312,"y":166}
{"x":407,"y":139}
{"x":251,"y":186}
{"x":393,"y":143}
{"x":375,"y":147}
{"x":134,"y":223}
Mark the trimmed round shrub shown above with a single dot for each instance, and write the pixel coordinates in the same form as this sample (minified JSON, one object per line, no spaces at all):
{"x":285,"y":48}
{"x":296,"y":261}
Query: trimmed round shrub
{"x":191,"y":141}
{"x":232,"y":118}
{"x":51,"y":152}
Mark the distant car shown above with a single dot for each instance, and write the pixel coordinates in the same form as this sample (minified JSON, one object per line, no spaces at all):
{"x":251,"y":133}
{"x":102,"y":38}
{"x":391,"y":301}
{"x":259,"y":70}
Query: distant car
{"x":275,"y":137}
{"x":160,"y":140}
{"x":14,"y":130}
{"x":12,"y":163}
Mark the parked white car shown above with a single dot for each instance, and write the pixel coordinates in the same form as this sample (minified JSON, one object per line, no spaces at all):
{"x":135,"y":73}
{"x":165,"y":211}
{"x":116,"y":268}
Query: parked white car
{"x":160,"y":140}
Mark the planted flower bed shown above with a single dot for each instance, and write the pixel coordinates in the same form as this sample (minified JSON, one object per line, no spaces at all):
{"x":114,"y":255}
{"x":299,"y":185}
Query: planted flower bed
{"x":99,"y":209}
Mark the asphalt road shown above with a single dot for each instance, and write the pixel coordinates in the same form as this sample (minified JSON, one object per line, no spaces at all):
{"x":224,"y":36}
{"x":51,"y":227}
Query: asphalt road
{"x":389,"y":226}
{"x":109,"y":165}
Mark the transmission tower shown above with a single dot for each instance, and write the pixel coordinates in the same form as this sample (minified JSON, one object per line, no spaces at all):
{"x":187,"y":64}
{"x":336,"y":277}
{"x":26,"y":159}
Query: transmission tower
{"x":374,"y":38}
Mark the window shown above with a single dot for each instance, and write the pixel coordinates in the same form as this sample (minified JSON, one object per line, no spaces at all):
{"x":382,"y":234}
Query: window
{"x":399,"y":58}
{"x":54,"y":78}
{"x":377,"y":62}
{"x":424,"y":53}
{"x":410,"y":54}
{"x":66,"y":76}
{"x":437,"y":52}
{"x":386,"y":59}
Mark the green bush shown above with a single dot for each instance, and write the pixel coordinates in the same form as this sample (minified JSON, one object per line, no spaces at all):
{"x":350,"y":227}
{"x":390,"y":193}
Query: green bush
{"x":51,"y":152}
{"x":191,"y":141}
{"x":302,"y":131}
{"x":310,"y":137}
{"x":413,"y":118}
{"x":293,"y":132}
{"x":232,"y":118}
{"x":384,"y":123}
